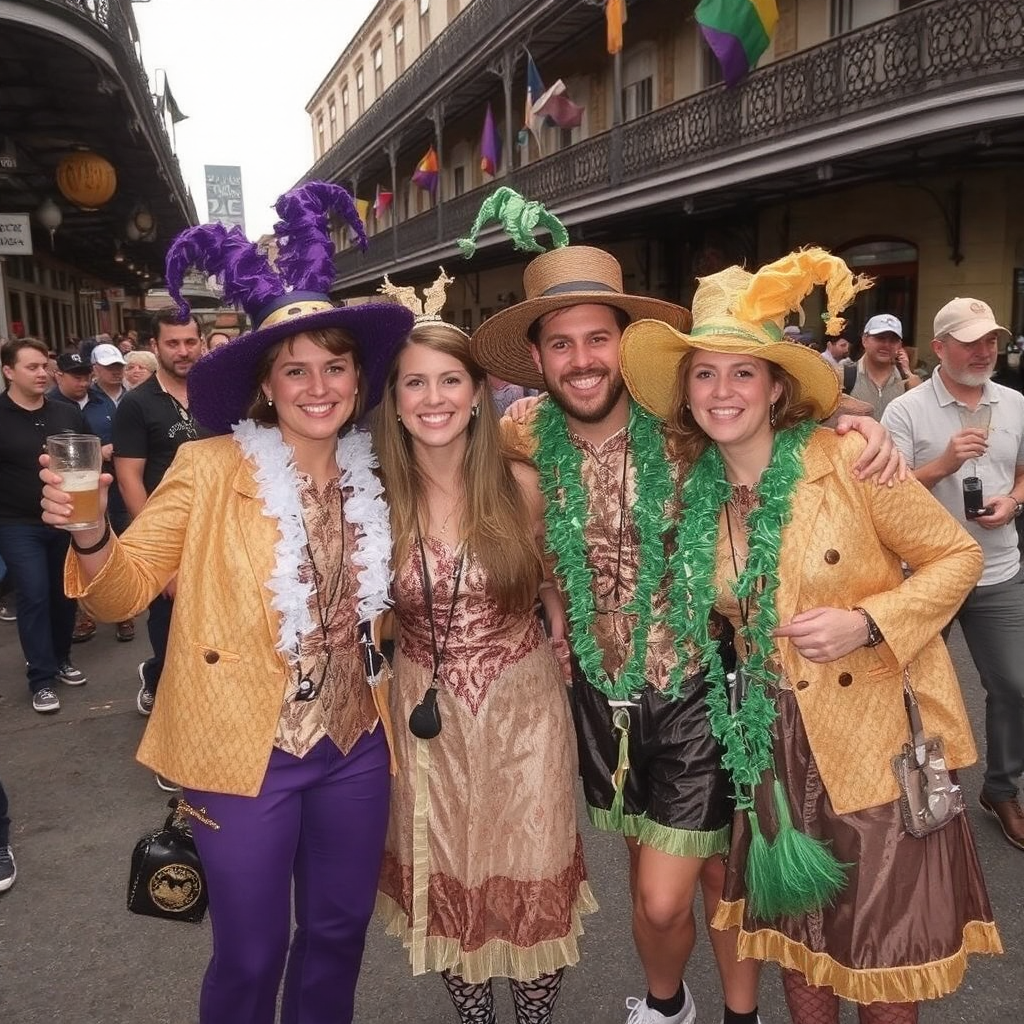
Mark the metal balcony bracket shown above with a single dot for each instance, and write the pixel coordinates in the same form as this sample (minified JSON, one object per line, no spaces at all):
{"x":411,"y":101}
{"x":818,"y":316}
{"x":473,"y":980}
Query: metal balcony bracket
{"x":950,"y":208}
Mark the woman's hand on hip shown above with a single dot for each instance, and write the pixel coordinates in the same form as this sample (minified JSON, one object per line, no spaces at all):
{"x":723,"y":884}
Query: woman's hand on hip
{"x":825,"y":634}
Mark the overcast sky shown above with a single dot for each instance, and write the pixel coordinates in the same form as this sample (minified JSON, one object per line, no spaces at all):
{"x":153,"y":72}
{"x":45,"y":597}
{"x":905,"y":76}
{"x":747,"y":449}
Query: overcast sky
{"x":243,"y":71}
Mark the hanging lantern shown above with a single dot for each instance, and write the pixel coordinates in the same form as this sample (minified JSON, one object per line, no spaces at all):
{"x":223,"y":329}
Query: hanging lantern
{"x":86,"y":179}
{"x":49,"y":216}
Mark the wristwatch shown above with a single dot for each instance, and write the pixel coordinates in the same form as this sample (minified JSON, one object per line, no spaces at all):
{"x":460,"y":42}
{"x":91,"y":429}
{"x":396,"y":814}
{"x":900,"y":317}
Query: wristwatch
{"x":874,"y":633}
{"x":1018,"y":508}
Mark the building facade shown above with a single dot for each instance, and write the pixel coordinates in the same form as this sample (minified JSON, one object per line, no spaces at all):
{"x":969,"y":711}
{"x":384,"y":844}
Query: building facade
{"x":91,"y":193}
{"x":888,"y":131}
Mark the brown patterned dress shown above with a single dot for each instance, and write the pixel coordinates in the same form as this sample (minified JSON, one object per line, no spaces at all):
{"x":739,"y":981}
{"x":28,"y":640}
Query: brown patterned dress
{"x":483,"y":869}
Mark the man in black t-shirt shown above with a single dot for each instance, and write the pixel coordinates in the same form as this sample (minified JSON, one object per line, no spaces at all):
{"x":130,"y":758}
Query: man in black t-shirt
{"x":34,"y":553}
{"x":152,"y":421}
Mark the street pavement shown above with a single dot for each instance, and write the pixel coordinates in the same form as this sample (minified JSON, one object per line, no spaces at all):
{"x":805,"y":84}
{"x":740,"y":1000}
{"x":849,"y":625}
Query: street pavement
{"x":70,"y":953}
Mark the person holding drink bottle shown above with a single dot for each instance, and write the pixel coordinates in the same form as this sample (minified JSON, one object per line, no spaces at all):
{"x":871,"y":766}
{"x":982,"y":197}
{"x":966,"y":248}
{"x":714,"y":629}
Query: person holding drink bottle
{"x":34,"y":552}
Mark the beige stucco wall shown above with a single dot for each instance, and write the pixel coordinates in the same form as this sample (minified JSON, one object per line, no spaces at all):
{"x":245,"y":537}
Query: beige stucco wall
{"x":991,"y":238}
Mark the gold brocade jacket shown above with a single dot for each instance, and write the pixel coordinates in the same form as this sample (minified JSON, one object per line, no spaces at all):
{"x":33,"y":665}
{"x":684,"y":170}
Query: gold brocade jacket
{"x":843,"y":548}
{"x":223,"y":681}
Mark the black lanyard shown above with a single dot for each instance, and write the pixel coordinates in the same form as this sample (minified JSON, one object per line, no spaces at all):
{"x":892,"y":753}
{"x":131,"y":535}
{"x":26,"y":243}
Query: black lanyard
{"x":428,"y":599}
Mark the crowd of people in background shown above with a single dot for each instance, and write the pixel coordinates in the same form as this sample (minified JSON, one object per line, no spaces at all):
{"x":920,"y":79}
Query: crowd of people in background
{"x":737,"y":598}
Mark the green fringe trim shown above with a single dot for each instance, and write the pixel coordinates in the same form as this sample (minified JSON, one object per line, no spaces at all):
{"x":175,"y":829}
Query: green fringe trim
{"x":606,"y":820}
{"x":683,"y":842}
{"x":560,"y":464}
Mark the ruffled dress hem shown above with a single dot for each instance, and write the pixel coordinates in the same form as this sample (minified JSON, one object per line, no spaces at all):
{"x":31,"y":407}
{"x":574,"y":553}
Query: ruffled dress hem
{"x":908,"y":983}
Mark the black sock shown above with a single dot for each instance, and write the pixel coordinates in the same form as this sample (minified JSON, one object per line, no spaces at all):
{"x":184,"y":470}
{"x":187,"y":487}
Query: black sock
{"x":668,"y":1007}
{"x":732,"y":1017}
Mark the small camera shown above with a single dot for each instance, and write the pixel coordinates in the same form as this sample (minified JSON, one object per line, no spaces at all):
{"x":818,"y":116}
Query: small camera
{"x":974,"y":501}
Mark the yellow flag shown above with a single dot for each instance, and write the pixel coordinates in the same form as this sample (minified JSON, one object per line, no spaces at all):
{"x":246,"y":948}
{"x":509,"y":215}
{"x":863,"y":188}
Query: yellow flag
{"x":363,"y":209}
{"x":615,"y":13}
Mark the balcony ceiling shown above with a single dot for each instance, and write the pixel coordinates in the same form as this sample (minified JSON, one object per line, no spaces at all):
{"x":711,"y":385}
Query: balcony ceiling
{"x":56,"y":97}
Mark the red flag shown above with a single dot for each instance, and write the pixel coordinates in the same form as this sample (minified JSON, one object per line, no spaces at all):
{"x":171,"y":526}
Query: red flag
{"x":382,"y":202}
{"x":556,"y":106}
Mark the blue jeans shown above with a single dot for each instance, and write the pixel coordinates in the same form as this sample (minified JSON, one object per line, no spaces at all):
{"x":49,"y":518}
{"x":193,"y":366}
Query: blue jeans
{"x":992,"y":619}
{"x":158,"y":626}
{"x":35,"y":554}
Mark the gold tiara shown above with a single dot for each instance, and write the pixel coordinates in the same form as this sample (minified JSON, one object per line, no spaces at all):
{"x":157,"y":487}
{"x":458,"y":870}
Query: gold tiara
{"x":426,"y":309}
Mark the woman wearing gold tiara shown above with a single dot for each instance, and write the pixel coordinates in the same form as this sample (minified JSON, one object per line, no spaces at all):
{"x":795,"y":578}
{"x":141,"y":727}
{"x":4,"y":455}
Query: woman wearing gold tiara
{"x":483,"y":872}
{"x":823,"y":877}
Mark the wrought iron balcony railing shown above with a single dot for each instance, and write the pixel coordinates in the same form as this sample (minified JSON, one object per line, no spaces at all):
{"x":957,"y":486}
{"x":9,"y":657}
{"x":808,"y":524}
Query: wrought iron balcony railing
{"x":938,"y":47}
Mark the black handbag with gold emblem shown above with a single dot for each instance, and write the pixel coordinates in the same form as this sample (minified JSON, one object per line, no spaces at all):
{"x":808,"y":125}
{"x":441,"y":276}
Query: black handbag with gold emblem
{"x":167,"y":877}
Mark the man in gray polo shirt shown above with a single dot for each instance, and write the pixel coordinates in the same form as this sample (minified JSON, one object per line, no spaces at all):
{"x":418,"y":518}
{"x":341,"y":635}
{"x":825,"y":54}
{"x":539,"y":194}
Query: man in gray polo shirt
{"x":955,"y":426}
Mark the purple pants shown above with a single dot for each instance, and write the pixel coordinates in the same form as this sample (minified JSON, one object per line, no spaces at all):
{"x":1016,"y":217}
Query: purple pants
{"x":318,"y":821}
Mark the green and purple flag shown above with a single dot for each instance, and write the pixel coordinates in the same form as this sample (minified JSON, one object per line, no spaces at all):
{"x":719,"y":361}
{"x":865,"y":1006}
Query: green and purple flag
{"x":738,"y":32}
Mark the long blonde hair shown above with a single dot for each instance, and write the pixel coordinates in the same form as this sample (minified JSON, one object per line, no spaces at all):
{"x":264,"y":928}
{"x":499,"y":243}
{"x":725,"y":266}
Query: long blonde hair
{"x":497,"y":524}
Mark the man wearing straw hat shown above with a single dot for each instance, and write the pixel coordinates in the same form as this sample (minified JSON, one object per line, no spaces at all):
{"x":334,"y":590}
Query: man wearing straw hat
{"x":650,"y":766}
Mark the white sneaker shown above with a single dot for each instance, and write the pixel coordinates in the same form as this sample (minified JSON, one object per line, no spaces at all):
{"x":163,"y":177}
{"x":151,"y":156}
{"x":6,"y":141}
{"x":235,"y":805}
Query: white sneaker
{"x":641,"y":1013}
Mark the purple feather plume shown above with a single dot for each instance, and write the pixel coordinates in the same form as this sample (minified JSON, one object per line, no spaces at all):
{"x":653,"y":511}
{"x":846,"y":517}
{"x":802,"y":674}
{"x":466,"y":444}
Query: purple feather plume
{"x":248,"y":279}
{"x":305,"y":255}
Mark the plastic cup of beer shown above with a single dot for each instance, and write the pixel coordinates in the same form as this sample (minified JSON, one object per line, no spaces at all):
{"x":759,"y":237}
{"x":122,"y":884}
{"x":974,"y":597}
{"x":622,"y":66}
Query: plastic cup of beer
{"x":77,"y":459}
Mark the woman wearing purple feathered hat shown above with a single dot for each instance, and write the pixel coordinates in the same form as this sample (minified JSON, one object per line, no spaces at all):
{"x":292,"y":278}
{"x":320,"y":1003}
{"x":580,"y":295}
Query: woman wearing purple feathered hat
{"x":279,"y":535}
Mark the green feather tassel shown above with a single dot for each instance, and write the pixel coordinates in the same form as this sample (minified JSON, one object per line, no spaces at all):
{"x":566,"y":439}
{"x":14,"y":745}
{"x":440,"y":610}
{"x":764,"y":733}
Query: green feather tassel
{"x":519,"y":218}
{"x":758,"y":866}
{"x":802,"y":873}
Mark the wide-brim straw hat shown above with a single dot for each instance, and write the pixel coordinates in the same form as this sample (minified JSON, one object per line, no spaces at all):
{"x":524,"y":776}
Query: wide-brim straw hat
{"x":651,"y":350}
{"x":572,"y":275}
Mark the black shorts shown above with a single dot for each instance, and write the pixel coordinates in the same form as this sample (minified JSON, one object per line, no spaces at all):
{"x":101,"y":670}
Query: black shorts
{"x":673,"y":795}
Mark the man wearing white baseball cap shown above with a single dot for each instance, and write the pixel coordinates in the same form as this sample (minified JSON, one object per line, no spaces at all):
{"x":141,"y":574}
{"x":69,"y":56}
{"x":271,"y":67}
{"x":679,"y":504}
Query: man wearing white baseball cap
{"x":883,"y":372}
{"x":963,"y":435}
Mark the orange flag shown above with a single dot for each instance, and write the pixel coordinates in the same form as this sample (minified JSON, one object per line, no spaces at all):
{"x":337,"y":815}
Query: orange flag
{"x":615,"y":14}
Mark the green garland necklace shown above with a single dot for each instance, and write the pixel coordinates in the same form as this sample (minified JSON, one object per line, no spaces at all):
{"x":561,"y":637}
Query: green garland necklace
{"x":796,"y":872}
{"x":560,"y":464}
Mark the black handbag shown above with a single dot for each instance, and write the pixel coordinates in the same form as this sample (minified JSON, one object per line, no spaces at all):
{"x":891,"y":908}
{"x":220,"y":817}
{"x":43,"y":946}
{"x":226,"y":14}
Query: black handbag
{"x":166,"y":878}
{"x":929,"y":796}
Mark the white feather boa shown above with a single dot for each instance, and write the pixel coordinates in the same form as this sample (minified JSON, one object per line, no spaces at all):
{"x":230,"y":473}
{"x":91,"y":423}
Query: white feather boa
{"x":278,"y":485}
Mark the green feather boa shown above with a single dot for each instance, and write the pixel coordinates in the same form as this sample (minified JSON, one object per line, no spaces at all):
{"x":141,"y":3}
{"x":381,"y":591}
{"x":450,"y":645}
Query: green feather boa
{"x":560,"y":464}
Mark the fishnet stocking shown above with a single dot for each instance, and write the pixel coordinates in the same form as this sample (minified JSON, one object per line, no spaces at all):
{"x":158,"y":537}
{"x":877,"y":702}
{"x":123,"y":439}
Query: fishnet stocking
{"x":535,"y":1000}
{"x":473,"y":1003}
{"x":888,"y":1013}
{"x":809,"y":1004}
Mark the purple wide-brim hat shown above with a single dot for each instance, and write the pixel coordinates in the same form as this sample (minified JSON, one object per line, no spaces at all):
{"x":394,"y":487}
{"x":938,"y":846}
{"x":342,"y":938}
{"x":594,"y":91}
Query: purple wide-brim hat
{"x":222,"y":385}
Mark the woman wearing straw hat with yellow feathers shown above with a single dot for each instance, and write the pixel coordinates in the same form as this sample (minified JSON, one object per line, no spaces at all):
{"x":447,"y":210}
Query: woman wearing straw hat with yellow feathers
{"x":823,"y":876}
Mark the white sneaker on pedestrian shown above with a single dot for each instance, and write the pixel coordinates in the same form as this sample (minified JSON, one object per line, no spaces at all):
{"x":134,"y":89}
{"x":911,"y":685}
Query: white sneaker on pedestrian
{"x":8,"y":869}
{"x":145,"y":697}
{"x":45,"y":701}
{"x":165,"y":784}
{"x":7,"y":614}
{"x":641,"y":1013}
{"x":71,"y":676}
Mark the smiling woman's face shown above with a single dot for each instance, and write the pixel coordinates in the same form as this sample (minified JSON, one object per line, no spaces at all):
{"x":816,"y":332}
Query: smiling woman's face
{"x":435,"y":395}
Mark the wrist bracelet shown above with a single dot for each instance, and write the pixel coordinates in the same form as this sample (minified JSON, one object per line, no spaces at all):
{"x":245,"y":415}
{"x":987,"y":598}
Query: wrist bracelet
{"x":874,"y":633}
{"x":93,"y":548}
